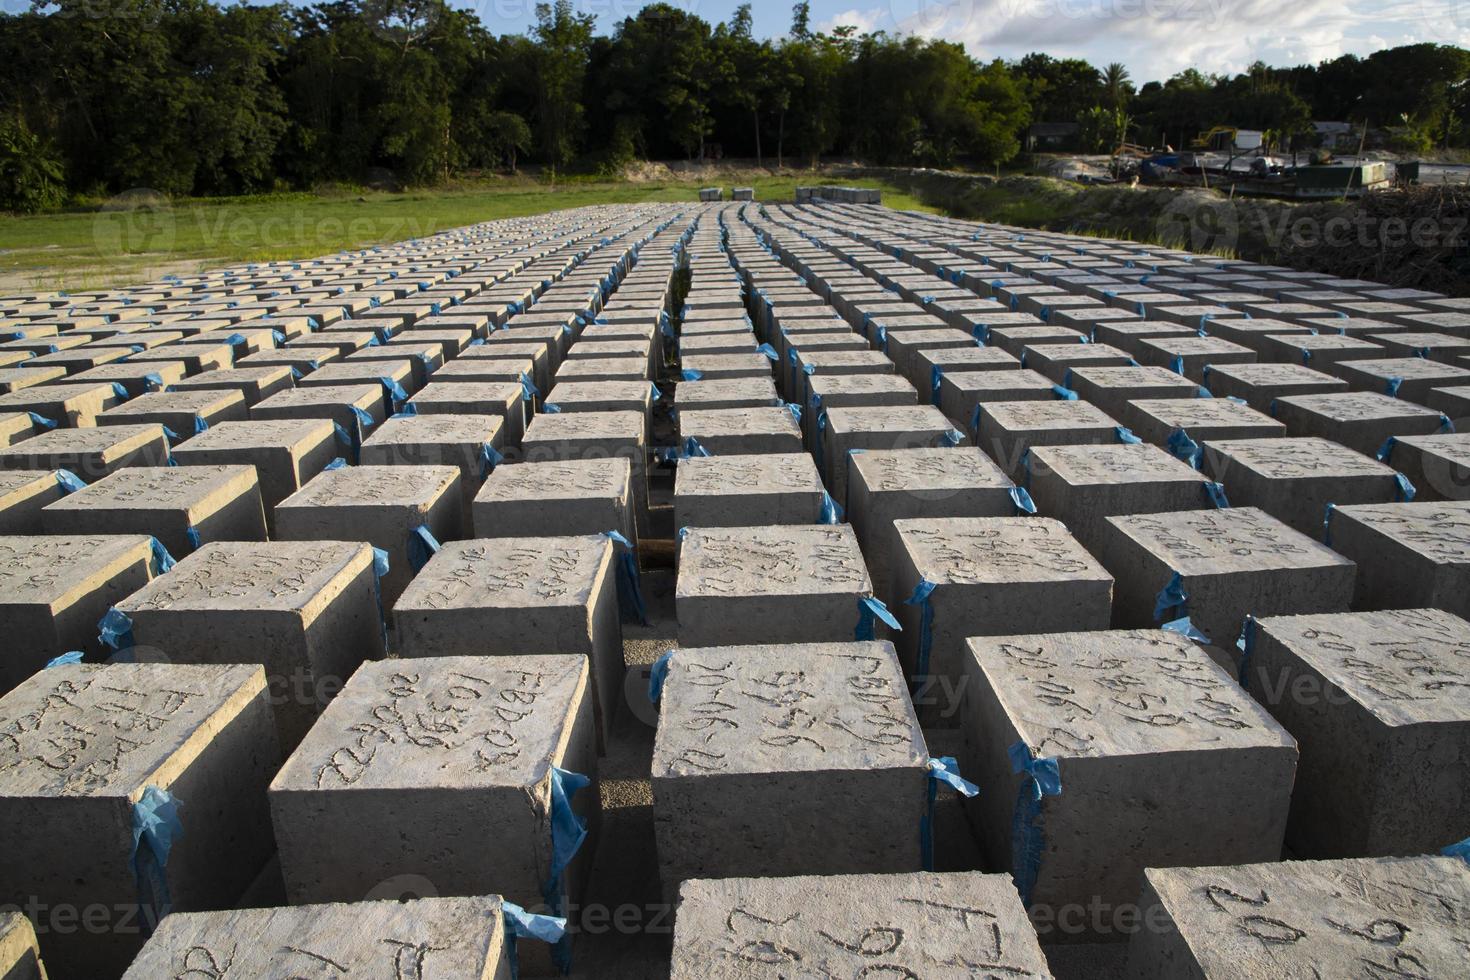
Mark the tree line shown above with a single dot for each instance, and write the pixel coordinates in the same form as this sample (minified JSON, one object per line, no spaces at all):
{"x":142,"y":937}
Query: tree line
{"x":188,"y":97}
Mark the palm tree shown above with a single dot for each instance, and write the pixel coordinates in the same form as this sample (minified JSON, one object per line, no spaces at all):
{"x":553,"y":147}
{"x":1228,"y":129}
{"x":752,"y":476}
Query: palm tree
{"x":1117,"y":85}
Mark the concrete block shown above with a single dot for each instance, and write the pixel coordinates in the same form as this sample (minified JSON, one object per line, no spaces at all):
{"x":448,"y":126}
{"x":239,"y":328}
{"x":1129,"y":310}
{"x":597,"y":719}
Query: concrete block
{"x":182,"y":506}
{"x":286,"y":453}
{"x":452,"y":938}
{"x":506,"y":400}
{"x":1155,"y":420}
{"x":1225,"y":564}
{"x":85,"y":745}
{"x":586,"y":496}
{"x":23,"y":493}
{"x":1111,"y":388}
{"x":1280,"y":919}
{"x":1358,"y":419}
{"x":784,"y":584}
{"x":440,"y":770}
{"x":1408,"y":555}
{"x":1294,"y":480}
{"x":989,"y":576}
{"x":961,"y":391}
{"x":306,"y":610}
{"x":356,"y":408}
{"x":728,"y":393}
{"x":15,"y":427}
{"x":1006,"y":430}
{"x":1126,"y":334}
{"x":1259,"y":385}
{"x":800,"y":749}
{"x":1083,"y":485}
{"x":916,"y":924}
{"x":1057,"y":361}
{"x":506,"y":597}
{"x":56,"y":588}
{"x":72,"y":406}
{"x":1375,"y":702}
{"x":1410,"y":378}
{"x":828,"y":391}
{"x":1014,"y":339}
{"x":89,"y":453}
{"x":606,"y":396}
{"x":1160,"y":760}
{"x":633,"y":368}
{"x":20,"y":954}
{"x":747,"y":491}
{"x":181,"y":412}
{"x":253,"y":383}
{"x":843,"y":430}
{"x":470,"y":443}
{"x":1190,"y":356}
{"x":1320,"y":351}
{"x":381,"y":505}
{"x":1438,"y":466}
{"x":1454,"y":402}
{"x":593,"y":435}
{"x":742,"y":431}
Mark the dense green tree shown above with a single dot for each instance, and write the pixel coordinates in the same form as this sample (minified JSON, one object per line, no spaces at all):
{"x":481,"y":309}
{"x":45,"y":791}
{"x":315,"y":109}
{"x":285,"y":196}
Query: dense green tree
{"x":564,"y":39}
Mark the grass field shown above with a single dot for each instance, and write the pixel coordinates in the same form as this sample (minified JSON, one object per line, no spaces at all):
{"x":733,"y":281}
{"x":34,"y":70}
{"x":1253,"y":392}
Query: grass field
{"x":122,"y":242}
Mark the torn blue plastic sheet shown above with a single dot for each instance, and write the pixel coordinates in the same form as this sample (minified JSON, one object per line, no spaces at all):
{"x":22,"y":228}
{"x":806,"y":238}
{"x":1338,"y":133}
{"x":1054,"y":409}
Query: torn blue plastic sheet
{"x":944,"y":769}
{"x":1391,"y":387}
{"x":1182,"y":447}
{"x":37,"y":419}
{"x":1022,"y":501}
{"x":1184,"y":627}
{"x":1043,"y":778}
{"x":690,"y":374}
{"x":1459,"y":850}
{"x":70,"y":657}
{"x":870,"y":610}
{"x":154,"y":381}
{"x":69,"y":482}
{"x":920,"y":598}
{"x":1125,"y":435}
{"x":1405,"y":488}
{"x":653,"y":393}
{"x":520,"y":924}
{"x":692,"y":448}
{"x":1177,"y":364}
{"x":1385,"y":451}
{"x":795,"y":411}
{"x":422,"y":545}
{"x":337,"y":463}
{"x":768,"y":351}
{"x":1215,"y":492}
{"x":951,"y":438}
{"x":975,"y":419}
{"x":831,"y":512}
{"x":1171,"y":596}
{"x":155,"y":819}
{"x":1064,"y":393}
{"x":115,"y":629}
{"x":201,"y":424}
{"x":981,"y":333}
{"x":192,"y":534}
{"x":936,"y":377}
{"x":380,"y":568}
{"x":568,"y":830}
{"x":1246,"y":644}
{"x":630,"y":584}
{"x":1445,"y":425}
{"x":159,"y":561}
{"x":490,"y":457}
{"x":394,"y":390}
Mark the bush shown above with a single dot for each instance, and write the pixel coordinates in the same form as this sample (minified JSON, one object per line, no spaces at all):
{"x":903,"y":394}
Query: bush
{"x":31,"y":175}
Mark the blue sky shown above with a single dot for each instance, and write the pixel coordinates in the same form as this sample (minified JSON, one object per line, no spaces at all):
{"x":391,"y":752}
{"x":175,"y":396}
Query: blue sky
{"x":1154,"y":38}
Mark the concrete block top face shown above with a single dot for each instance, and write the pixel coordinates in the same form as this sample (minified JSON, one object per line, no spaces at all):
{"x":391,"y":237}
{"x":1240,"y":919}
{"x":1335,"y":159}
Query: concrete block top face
{"x":626,"y":426}
{"x":1223,"y":542}
{"x":194,"y":488}
{"x":54,"y":570}
{"x":262,"y":434}
{"x":105,"y":440}
{"x":95,"y":730}
{"x":925,"y":471}
{"x":1119,"y":693}
{"x":887,"y":418}
{"x":1408,"y":368}
{"x":756,"y":473}
{"x":1293,"y":458}
{"x":1034,"y":416}
{"x":1269,"y":375}
{"x":1133,"y":377}
{"x":1112,"y":465}
{"x":488,"y":573}
{"x":1185,"y":413}
{"x":996,"y":550}
{"x":369,"y":486}
{"x":442,"y":938}
{"x":1440,"y":531}
{"x":444,"y":723}
{"x":790,"y":559}
{"x":797,"y":707}
{"x":950,"y":926}
{"x":436,"y":430}
{"x":1403,"y":666}
{"x":255,"y":576}
{"x":836,"y":385}
{"x":571,"y":392}
{"x":722,"y":389}
{"x":564,"y":480}
{"x":1356,"y":406}
{"x":738,"y":421}
{"x":201,"y":401}
{"x":364,"y":396}
{"x":1355,"y":917}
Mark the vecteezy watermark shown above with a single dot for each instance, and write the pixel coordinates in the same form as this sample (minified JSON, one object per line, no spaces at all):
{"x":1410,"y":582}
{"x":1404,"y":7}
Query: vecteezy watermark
{"x":933,"y":18}
{"x":1198,"y":223}
{"x":135,"y":221}
{"x":1099,"y":918}
{"x":93,"y":918}
{"x":1201,"y":12}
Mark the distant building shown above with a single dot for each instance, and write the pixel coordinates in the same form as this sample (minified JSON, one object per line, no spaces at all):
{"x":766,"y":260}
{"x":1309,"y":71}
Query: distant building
{"x":1051,"y":136}
{"x":1335,"y":135}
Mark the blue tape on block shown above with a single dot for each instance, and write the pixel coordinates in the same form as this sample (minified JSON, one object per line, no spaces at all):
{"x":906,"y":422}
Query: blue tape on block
{"x":920,"y":598}
{"x":690,"y":374}
{"x":1246,"y":644}
{"x":870,"y":610}
{"x":115,"y":629}
{"x":380,"y":568}
{"x":568,"y":830}
{"x":70,"y":657}
{"x":1043,"y":778}
{"x":1391,"y":387}
{"x":236,"y":340}
{"x":1022,"y":501}
{"x":943,"y":769}
{"x":1405,"y":488}
{"x":1177,"y":365}
{"x":1184,"y":627}
{"x":69,"y":482}
{"x":1327,"y":524}
{"x":795,"y":410}
{"x":936,"y":376}
{"x":692,"y":448}
{"x":422,"y":545}
{"x":1125,"y":435}
{"x":394,"y":390}
{"x":1460,"y":850}
{"x":490,"y":457}
{"x":1385,"y":451}
{"x":155,"y":819}
{"x":159,"y":561}
{"x":981,"y":333}
{"x":1445,"y":425}
{"x":1215,"y":492}
{"x":529,"y":925}
{"x":1064,"y":393}
{"x":120,"y":391}
{"x":192,"y":534}
{"x":975,"y":419}
{"x":200,"y":424}
{"x":1182,"y":447}
{"x":630,"y":583}
{"x":768,"y":351}
{"x":831,"y":512}
{"x":337,"y":463}
{"x":38,"y":419}
{"x":1171,"y":596}
{"x":951,"y":438}
{"x":154,"y":381}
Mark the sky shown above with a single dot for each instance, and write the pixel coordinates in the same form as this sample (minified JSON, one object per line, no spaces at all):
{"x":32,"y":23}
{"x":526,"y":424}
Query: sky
{"x":1153,"y":38}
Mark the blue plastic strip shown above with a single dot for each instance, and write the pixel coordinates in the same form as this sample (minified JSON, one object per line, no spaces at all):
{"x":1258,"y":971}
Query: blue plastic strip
{"x":155,"y":819}
{"x":951,"y":438}
{"x":657,"y":674}
{"x":380,"y":568}
{"x":1022,"y":501}
{"x":422,"y":545}
{"x":154,"y":381}
{"x":115,"y":629}
{"x":1043,"y":778}
{"x":1215,"y":492}
{"x":630,"y":584}
{"x":1327,"y":524}
{"x":870,"y":610}
{"x":831,"y":512}
{"x":692,"y":448}
{"x":490,"y":457}
{"x":70,"y":657}
{"x":1404,"y":487}
{"x":160,"y":561}
{"x":1063,"y":393}
{"x":1184,"y":627}
{"x":69,"y":482}
{"x":568,"y":830}
{"x":1445,"y":425}
{"x":1246,"y":644}
{"x":394,"y":391}
{"x":38,"y":419}
{"x":944,"y":769}
{"x":1182,"y":447}
{"x":1171,"y":596}
{"x":529,"y":390}
{"x":768,"y":351}
{"x":690,"y":374}
{"x":1125,"y":435}
{"x":1391,"y":387}
{"x":920,"y":598}
{"x":936,"y":377}
{"x":1460,"y":850}
{"x":1385,"y":451}
{"x":337,"y":463}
